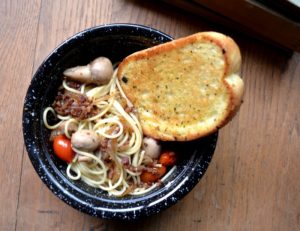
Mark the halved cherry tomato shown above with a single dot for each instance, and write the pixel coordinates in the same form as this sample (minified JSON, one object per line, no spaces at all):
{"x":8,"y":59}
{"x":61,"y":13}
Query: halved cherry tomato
{"x":153,"y":175}
{"x":167,"y":158}
{"x":62,"y":148}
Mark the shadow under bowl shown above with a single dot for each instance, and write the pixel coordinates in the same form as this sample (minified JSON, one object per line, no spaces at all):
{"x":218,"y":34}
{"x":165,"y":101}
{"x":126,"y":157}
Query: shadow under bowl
{"x":115,"y":41}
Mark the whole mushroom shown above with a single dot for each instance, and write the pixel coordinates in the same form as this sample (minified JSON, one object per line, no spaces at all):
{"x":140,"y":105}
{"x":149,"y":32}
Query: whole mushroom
{"x":61,"y":130}
{"x":151,"y":147}
{"x":86,"y":140}
{"x":99,"y":72}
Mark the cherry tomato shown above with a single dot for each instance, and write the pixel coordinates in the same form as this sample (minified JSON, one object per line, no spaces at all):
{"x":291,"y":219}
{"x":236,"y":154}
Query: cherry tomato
{"x":62,"y":148}
{"x":167,"y":158}
{"x":153,"y":175}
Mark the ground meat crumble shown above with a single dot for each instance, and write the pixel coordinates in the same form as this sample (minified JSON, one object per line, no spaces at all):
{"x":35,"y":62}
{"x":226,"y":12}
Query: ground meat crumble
{"x":73,"y":104}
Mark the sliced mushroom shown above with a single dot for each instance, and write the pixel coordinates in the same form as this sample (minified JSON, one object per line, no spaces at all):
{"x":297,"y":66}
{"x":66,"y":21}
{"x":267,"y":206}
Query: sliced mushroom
{"x":99,"y":72}
{"x":151,"y":147}
{"x":86,"y":140}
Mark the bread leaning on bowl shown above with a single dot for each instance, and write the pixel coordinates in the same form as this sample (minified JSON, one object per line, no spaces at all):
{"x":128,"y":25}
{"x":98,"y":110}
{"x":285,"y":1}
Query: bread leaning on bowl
{"x":184,"y":89}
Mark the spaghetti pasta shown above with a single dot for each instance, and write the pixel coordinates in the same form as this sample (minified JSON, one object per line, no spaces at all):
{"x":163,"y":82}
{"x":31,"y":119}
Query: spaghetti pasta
{"x":117,"y":165}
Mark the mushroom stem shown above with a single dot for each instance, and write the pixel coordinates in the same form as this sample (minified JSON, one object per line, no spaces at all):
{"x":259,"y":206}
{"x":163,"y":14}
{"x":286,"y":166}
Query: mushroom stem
{"x":99,"y":71}
{"x":79,"y":73}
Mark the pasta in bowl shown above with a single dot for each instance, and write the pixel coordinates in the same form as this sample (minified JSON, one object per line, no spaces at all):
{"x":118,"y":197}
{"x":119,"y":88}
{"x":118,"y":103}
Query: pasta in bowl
{"x":99,"y":134}
{"x":112,"y":178}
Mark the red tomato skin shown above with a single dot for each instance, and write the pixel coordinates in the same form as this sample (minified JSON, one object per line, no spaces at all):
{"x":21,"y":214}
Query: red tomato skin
{"x":168,"y":158}
{"x":63,"y":149}
{"x":151,"y":177}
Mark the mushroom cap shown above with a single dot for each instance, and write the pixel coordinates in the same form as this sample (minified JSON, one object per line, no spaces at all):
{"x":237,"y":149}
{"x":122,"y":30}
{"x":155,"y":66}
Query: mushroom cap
{"x":151,"y":147}
{"x":86,"y":140}
{"x":101,"y":70}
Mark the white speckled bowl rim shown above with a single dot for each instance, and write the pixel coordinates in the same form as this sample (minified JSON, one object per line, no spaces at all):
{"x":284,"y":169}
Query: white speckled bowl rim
{"x":52,"y":171}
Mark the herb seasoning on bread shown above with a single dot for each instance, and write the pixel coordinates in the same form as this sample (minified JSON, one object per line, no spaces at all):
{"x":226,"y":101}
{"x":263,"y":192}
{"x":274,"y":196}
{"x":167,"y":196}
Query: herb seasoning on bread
{"x":184,"y":89}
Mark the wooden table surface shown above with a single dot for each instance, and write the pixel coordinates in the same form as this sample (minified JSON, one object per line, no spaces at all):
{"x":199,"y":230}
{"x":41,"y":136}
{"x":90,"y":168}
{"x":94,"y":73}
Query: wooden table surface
{"x":253,"y":180}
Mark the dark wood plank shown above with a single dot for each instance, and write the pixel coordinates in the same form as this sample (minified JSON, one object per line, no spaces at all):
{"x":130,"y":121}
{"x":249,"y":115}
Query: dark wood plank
{"x":18,"y":28}
{"x":258,"y":19}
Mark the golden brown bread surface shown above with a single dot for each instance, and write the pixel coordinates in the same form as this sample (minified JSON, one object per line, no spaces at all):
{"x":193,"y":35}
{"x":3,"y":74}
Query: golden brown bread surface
{"x":184,"y":89}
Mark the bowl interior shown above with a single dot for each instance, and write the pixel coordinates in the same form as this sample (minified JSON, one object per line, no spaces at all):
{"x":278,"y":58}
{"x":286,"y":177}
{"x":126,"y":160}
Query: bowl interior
{"x":115,"y":42}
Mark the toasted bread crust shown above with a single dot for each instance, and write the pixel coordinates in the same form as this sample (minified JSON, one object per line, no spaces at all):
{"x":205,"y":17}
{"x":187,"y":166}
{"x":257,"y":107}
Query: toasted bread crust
{"x":230,"y":79}
{"x":234,"y":83}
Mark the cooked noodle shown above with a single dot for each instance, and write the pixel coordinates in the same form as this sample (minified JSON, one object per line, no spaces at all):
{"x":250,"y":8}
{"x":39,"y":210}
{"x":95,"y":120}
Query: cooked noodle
{"x":116,"y":125}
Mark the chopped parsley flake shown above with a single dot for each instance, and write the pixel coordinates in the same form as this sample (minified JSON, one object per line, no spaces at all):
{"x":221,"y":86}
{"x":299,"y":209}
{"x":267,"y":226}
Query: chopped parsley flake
{"x":124,"y":79}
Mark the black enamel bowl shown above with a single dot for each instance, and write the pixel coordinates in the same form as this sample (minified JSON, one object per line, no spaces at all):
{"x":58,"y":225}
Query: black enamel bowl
{"x":114,"y":41}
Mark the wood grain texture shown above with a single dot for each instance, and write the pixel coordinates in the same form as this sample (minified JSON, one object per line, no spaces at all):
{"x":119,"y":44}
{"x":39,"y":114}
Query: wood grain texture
{"x":252,"y":182}
{"x":18,"y":31}
{"x":253,"y":18}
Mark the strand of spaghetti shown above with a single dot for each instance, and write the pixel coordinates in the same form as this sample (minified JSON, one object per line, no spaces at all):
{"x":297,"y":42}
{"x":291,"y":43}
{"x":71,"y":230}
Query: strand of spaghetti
{"x":81,"y":125}
{"x":115,"y":185}
{"x":122,"y":139}
{"x":97,"y":92}
{"x":50,"y":109}
{"x":83,"y":153}
{"x":108,"y":121}
{"x":100,"y":91}
{"x":90,"y":125}
{"x":118,"y":158}
{"x":109,"y":183}
{"x":113,"y":82}
{"x":98,"y":160}
{"x":101,"y":103}
{"x":90,"y":168}
{"x":71,"y":176}
{"x":140,"y":191}
{"x":111,"y":101}
{"x":65,"y":85}
{"x":138,"y":141}
{"x":129,"y":146}
{"x":132,"y":140}
{"x":82,"y":88}
{"x":94,"y":179}
{"x":124,"y":179}
{"x":134,"y":179}
{"x":123,"y":94}
{"x":118,"y":193}
{"x":135,"y":159}
{"x":91,"y":178}
{"x":93,"y":172}
{"x":123,"y":156}
{"x":133,"y":173}
{"x":63,"y":117}
{"x":141,"y":158}
{"x":139,"y":180}
{"x":91,"y":182}
{"x":66,"y":130}
{"x":136,"y":121}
